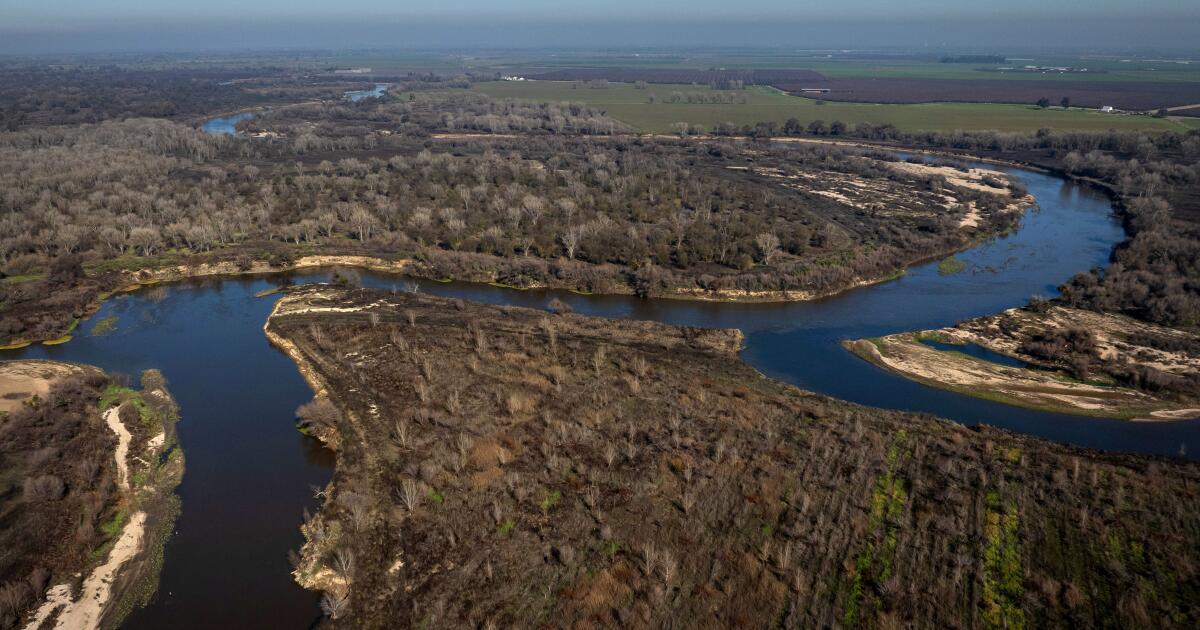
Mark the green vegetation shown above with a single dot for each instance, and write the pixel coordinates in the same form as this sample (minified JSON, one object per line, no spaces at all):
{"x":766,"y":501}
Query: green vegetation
{"x":104,"y":326}
{"x":764,"y":104}
{"x":504,"y":285}
{"x":110,"y":530}
{"x":23,"y":278}
{"x":951,"y":265}
{"x":888,"y":501}
{"x":113,"y":395}
{"x":134,"y":262}
{"x":829,"y":64}
{"x":154,"y":494}
{"x":550,"y":500}
{"x":1002,"y":576}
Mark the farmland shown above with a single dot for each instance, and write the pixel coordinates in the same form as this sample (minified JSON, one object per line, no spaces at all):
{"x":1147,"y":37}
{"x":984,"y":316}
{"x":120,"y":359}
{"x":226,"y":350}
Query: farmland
{"x":1127,"y":95}
{"x":630,"y":105}
{"x":834,"y":64}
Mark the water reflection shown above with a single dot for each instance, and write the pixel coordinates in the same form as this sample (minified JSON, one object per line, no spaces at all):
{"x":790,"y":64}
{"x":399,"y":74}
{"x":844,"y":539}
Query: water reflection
{"x":249,"y":470}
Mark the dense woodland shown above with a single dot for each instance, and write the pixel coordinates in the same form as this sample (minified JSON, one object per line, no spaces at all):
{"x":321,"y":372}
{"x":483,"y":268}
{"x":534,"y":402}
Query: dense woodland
{"x":1155,"y":275}
{"x":340,"y":124}
{"x":539,"y":203}
{"x":501,"y":466}
{"x":607,"y":215}
{"x":37,"y":95}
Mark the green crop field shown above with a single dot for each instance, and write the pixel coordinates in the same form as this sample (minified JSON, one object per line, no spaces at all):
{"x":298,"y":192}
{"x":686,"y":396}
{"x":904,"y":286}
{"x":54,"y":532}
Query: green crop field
{"x":832,"y":64}
{"x":631,"y":105}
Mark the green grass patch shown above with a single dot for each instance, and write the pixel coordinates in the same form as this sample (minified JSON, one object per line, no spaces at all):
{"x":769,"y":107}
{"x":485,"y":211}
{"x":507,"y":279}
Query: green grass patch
{"x":22,"y":279}
{"x":938,"y":336}
{"x":505,"y":528}
{"x":861,"y":566}
{"x":502,"y":285}
{"x":16,"y":345}
{"x":111,"y":529}
{"x":435,"y":497}
{"x":113,"y":526}
{"x":104,"y":326}
{"x":763,"y":104}
{"x":114,"y":395}
{"x":550,"y":500}
{"x":1003,"y":575}
{"x":874,"y":561}
{"x":266,"y":292}
{"x":951,"y":265}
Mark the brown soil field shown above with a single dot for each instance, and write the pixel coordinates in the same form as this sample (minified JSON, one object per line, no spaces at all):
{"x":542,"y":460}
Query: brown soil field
{"x":506,"y":467}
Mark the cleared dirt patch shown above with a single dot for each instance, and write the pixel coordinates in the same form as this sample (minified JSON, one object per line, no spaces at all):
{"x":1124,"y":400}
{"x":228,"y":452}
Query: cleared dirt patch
{"x":20,"y":381}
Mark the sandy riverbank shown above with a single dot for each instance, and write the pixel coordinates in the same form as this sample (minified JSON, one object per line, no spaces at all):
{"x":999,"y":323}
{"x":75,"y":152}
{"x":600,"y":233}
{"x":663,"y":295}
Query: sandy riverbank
{"x":1109,"y":349}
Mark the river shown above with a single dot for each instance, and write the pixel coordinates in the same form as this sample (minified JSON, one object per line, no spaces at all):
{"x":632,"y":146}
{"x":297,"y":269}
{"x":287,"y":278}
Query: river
{"x":358,"y":95}
{"x":250,"y":472}
{"x":227,"y":125}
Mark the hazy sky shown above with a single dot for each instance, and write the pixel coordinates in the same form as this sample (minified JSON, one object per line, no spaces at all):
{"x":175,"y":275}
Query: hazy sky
{"x":80,"y":25}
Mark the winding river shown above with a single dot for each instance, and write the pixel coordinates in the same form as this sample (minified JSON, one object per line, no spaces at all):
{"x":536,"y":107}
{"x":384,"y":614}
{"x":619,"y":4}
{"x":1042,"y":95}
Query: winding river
{"x":250,"y":472}
{"x":227,"y":125}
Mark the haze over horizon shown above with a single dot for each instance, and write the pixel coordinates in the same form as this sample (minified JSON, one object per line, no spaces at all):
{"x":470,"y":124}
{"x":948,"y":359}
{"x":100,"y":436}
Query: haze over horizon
{"x":141,"y":25}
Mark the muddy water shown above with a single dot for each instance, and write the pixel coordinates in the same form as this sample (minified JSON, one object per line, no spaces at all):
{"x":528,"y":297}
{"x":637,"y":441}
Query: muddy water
{"x":249,"y":471}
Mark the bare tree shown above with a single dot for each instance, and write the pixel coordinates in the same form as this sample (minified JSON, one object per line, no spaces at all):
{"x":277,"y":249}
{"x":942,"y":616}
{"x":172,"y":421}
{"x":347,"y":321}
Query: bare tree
{"x":319,"y":414}
{"x":570,"y":240}
{"x":768,"y":246}
{"x":410,"y":494}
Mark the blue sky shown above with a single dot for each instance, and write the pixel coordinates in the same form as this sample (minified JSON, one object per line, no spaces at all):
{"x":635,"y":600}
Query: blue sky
{"x":80,"y":25}
{"x":65,"y":11}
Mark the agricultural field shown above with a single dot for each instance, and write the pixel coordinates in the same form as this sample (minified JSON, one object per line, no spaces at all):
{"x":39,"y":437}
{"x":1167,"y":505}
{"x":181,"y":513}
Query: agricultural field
{"x":1131,"y":96}
{"x":832,"y":64}
{"x":631,"y":105}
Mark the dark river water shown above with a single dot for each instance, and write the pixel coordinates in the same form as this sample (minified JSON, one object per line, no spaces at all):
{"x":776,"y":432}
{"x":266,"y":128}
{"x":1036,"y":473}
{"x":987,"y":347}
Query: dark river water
{"x":249,"y":472}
